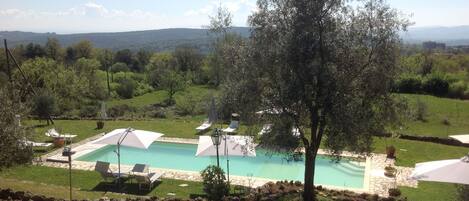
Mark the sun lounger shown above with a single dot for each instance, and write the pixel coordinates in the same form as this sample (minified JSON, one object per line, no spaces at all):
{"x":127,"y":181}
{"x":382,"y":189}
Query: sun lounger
{"x":232,"y":127}
{"x":147,"y":179}
{"x":265,"y":129}
{"x":37,"y":144}
{"x":54,"y":134}
{"x":295,"y":132}
{"x":204,"y":126}
{"x":106,"y":173}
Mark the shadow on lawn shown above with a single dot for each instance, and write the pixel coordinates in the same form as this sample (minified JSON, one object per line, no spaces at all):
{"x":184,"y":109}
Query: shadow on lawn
{"x":127,"y":187}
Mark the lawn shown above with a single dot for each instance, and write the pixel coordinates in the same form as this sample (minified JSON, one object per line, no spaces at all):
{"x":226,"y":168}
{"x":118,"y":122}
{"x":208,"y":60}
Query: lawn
{"x":438,"y":109}
{"x":430,"y":191}
{"x":86,"y":184}
{"x":200,"y":92}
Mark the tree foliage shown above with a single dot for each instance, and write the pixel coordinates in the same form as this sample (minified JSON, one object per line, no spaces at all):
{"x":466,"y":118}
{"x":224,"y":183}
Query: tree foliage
{"x":172,"y":82}
{"x":328,"y":68}
{"x":13,"y":150}
{"x":214,"y":183}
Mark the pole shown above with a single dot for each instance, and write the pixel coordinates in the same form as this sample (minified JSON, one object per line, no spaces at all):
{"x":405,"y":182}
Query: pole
{"x":118,"y":167}
{"x":70,"y":174}
{"x":8,"y":59}
{"x":227,"y":162}
{"x":218,"y":160}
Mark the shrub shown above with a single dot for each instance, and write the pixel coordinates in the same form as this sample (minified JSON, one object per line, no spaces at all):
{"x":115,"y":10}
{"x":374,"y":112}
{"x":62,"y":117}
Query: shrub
{"x":89,"y":111}
{"x":436,"y":85}
{"x":409,"y":84}
{"x":421,"y":111}
{"x":126,"y":88}
{"x":214,"y":183}
{"x":44,"y":105}
{"x":119,"y":67}
{"x":120,"y":110}
{"x":463,"y":192}
{"x":394,"y":192}
{"x":99,"y":125}
{"x":188,"y":105}
{"x":457,"y":89}
{"x":390,"y":171}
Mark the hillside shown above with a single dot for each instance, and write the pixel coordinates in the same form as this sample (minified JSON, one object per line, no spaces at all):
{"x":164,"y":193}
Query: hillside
{"x":168,"y":39}
{"x":155,"y":40}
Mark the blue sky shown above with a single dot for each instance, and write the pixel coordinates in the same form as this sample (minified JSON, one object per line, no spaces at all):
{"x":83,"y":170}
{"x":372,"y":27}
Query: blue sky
{"x":74,"y":16}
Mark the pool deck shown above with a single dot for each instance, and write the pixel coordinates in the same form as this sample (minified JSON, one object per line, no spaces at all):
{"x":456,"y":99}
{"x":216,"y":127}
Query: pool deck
{"x":374,"y":180}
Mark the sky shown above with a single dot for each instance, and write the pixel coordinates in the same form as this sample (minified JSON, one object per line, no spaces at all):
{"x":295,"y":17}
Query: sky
{"x":81,"y":16}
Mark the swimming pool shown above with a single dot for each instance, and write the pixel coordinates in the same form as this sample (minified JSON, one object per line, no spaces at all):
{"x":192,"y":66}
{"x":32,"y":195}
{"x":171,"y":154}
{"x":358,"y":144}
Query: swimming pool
{"x":177,"y":156}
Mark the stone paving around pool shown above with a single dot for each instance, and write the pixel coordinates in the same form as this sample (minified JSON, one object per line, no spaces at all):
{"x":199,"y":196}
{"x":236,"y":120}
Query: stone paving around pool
{"x":374,"y":182}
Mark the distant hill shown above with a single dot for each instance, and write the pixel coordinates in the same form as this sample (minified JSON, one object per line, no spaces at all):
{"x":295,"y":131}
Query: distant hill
{"x":155,"y":40}
{"x":168,"y":39}
{"x":452,"y":36}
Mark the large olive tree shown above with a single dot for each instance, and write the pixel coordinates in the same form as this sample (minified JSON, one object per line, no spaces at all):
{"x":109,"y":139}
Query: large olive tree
{"x":326,"y":67}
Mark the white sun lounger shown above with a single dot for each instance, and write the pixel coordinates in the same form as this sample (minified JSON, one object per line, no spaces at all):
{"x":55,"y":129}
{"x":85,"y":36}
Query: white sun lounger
{"x":37,"y":144}
{"x":232,"y":128}
{"x":54,"y":134}
{"x":265,"y":129}
{"x":204,"y":126}
{"x":295,"y":132}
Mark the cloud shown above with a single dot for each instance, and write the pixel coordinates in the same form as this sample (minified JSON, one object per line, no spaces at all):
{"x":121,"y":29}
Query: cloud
{"x":234,"y":6}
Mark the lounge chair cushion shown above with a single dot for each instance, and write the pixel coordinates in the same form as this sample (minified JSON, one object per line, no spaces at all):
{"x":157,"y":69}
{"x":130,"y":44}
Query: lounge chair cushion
{"x":204,"y":126}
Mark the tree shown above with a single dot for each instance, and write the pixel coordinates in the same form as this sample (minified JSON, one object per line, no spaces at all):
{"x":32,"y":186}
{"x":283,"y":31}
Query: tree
{"x":52,"y":48}
{"x":126,"y":88}
{"x":106,"y":58}
{"x":83,"y":49}
{"x":328,"y":67}
{"x":187,"y":58}
{"x":158,"y":64}
{"x":214,"y":183}
{"x":70,"y":55}
{"x":172,"y":82}
{"x":220,"y":24}
{"x":44,"y":106}
{"x":142,"y":59}
{"x":33,"y":50}
{"x":125,"y":56}
{"x":11,"y":151}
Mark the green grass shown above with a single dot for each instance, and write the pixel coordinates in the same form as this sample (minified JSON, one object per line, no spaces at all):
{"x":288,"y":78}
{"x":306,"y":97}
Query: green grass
{"x":86,"y":184}
{"x":409,"y":152}
{"x":159,"y":96}
{"x":430,"y":191}
{"x":456,"y":111}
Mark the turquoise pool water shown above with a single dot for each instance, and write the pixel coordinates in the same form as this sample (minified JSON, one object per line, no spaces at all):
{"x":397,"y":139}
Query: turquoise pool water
{"x":182,"y":157}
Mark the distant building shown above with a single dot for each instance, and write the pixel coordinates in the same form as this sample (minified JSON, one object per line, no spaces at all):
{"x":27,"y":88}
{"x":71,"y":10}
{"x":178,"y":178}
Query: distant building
{"x":431,"y":45}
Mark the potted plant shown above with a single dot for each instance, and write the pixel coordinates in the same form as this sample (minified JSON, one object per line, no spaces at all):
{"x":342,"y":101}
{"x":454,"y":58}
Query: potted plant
{"x":103,"y":116}
{"x":100,"y":124}
{"x":390,"y":171}
{"x":390,"y":152}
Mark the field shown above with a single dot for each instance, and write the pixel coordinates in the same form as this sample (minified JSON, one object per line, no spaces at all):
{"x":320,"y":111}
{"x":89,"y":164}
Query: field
{"x":439,"y":109}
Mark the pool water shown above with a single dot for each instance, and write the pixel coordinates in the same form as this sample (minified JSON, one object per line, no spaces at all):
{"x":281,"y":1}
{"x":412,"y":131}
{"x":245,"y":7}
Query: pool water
{"x":176,"y":156}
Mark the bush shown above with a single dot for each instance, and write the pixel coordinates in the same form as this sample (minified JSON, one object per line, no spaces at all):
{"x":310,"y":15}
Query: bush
{"x":44,"y":105}
{"x":126,"y":88}
{"x":457,"y":89}
{"x":214,"y":183}
{"x":99,"y":125}
{"x":421,"y":111}
{"x":394,"y":192}
{"x":436,"y":85}
{"x":409,"y":84}
{"x":89,"y":111}
{"x":119,"y":67}
{"x":190,"y":105}
{"x":120,"y":110}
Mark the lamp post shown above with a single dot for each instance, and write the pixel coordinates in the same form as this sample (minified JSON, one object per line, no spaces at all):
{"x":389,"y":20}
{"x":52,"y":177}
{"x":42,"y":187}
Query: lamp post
{"x":216,"y":140}
{"x":68,"y":152}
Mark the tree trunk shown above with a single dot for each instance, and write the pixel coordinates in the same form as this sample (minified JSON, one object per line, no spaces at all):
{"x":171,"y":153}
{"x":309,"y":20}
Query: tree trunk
{"x":108,"y":84}
{"x":310,"y":161}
